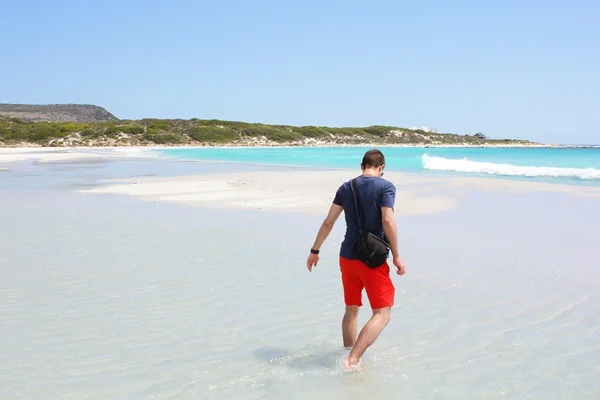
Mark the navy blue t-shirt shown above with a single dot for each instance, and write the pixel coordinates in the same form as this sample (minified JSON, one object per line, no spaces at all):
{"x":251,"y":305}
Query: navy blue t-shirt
{"x":374,"y":192}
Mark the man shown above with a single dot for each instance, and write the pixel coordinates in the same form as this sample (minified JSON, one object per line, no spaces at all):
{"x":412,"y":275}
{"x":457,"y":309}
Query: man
{"x":376,"y":198}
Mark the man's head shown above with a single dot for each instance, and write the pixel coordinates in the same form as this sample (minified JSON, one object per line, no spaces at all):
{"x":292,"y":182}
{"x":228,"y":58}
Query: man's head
{"x":374,"y":161}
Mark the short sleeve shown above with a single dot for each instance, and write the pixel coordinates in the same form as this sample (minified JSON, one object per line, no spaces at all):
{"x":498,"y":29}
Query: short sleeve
{"x":388,"y":196}
{"x":338,"y":197}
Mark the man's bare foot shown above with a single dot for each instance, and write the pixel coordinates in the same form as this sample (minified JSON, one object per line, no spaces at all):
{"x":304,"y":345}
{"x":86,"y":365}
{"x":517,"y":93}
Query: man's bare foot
{"x":351,"y":363}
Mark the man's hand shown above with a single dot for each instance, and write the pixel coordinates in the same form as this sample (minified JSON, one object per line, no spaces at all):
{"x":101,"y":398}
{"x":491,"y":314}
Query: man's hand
{"x":313,"y":260}
{"x":400,"y":266}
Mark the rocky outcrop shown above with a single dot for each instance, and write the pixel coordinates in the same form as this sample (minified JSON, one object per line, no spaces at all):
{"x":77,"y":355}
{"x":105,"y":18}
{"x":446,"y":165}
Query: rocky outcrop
{"x":82,"y":113}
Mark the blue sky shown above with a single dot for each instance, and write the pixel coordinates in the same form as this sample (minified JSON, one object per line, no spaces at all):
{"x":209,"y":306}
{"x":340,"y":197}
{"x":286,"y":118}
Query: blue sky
{"x":524,"y":69}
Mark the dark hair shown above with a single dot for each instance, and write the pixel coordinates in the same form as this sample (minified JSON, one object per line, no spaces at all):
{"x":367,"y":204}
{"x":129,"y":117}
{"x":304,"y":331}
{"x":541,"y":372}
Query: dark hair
{"x":373,"y":158}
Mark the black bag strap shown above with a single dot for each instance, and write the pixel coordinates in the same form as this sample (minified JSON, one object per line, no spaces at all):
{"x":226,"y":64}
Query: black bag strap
{"x":357,"y":203}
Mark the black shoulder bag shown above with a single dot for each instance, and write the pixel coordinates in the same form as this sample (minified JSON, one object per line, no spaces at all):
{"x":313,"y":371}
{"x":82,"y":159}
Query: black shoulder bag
{"x":370,"y":248}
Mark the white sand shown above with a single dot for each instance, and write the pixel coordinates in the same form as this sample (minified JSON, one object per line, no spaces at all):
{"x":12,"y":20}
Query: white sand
{"x":45,"y":154}
{"x":306,"y":192}
{"x":311,"y":192}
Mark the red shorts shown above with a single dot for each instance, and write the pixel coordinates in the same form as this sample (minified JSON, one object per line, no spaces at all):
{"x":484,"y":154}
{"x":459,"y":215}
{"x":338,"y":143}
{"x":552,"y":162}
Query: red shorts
{"x":356,"y":275}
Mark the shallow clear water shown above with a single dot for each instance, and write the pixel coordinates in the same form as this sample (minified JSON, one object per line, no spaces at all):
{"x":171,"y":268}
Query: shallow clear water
{"x":112,"y":297}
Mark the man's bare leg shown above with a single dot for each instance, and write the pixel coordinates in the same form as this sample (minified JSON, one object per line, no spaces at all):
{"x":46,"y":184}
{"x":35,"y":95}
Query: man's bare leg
{"x":349,"y":326}
{"x":369,"y":333}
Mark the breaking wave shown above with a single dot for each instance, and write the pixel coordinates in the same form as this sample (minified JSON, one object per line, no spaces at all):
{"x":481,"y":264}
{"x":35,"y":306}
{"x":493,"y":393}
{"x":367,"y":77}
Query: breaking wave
{"x":466,"y":165}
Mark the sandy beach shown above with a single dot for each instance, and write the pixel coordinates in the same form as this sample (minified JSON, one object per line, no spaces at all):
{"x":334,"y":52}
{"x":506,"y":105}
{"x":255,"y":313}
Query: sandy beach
{"x":124,"y":276}
{"x":311,"y":192}
{"x":49,"y":154}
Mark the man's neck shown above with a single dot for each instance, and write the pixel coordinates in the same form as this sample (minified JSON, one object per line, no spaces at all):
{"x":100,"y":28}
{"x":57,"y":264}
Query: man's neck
{"x":370,"y":172}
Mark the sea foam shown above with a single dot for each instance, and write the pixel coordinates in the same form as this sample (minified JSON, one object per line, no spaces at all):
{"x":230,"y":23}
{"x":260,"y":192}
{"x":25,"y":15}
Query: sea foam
{"x":466,"y":165}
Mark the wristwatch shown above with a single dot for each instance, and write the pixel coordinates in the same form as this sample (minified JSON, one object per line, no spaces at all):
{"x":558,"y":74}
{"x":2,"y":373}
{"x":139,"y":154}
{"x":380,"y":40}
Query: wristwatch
{"x":313,"y":251}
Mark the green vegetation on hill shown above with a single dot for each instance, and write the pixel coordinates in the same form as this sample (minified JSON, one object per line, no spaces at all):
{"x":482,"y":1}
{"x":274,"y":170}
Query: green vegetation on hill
{"x":14,"y":131}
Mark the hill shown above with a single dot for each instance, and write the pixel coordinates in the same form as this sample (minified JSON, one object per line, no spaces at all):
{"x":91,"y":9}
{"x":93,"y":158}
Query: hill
{"x":196,"y":132}
{"x":81,"y":113}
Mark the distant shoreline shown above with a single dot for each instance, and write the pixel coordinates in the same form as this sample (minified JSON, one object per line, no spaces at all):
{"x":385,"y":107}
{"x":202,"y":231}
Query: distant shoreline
{"x":28,"y":146}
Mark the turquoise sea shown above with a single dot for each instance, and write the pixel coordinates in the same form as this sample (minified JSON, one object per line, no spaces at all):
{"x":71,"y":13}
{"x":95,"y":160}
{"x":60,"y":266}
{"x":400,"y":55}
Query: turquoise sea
{"x":563,"y":165}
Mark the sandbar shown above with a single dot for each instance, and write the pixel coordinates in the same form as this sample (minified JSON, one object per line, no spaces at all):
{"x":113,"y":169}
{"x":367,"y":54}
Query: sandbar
{"x":311,"y":192}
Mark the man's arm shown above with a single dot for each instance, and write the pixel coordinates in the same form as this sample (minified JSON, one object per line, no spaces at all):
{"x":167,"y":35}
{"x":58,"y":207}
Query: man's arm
{"x":324,"y":231}
{"x":390,"y":228}
{"x":327,"y":226}
{"x":391,"y":233}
